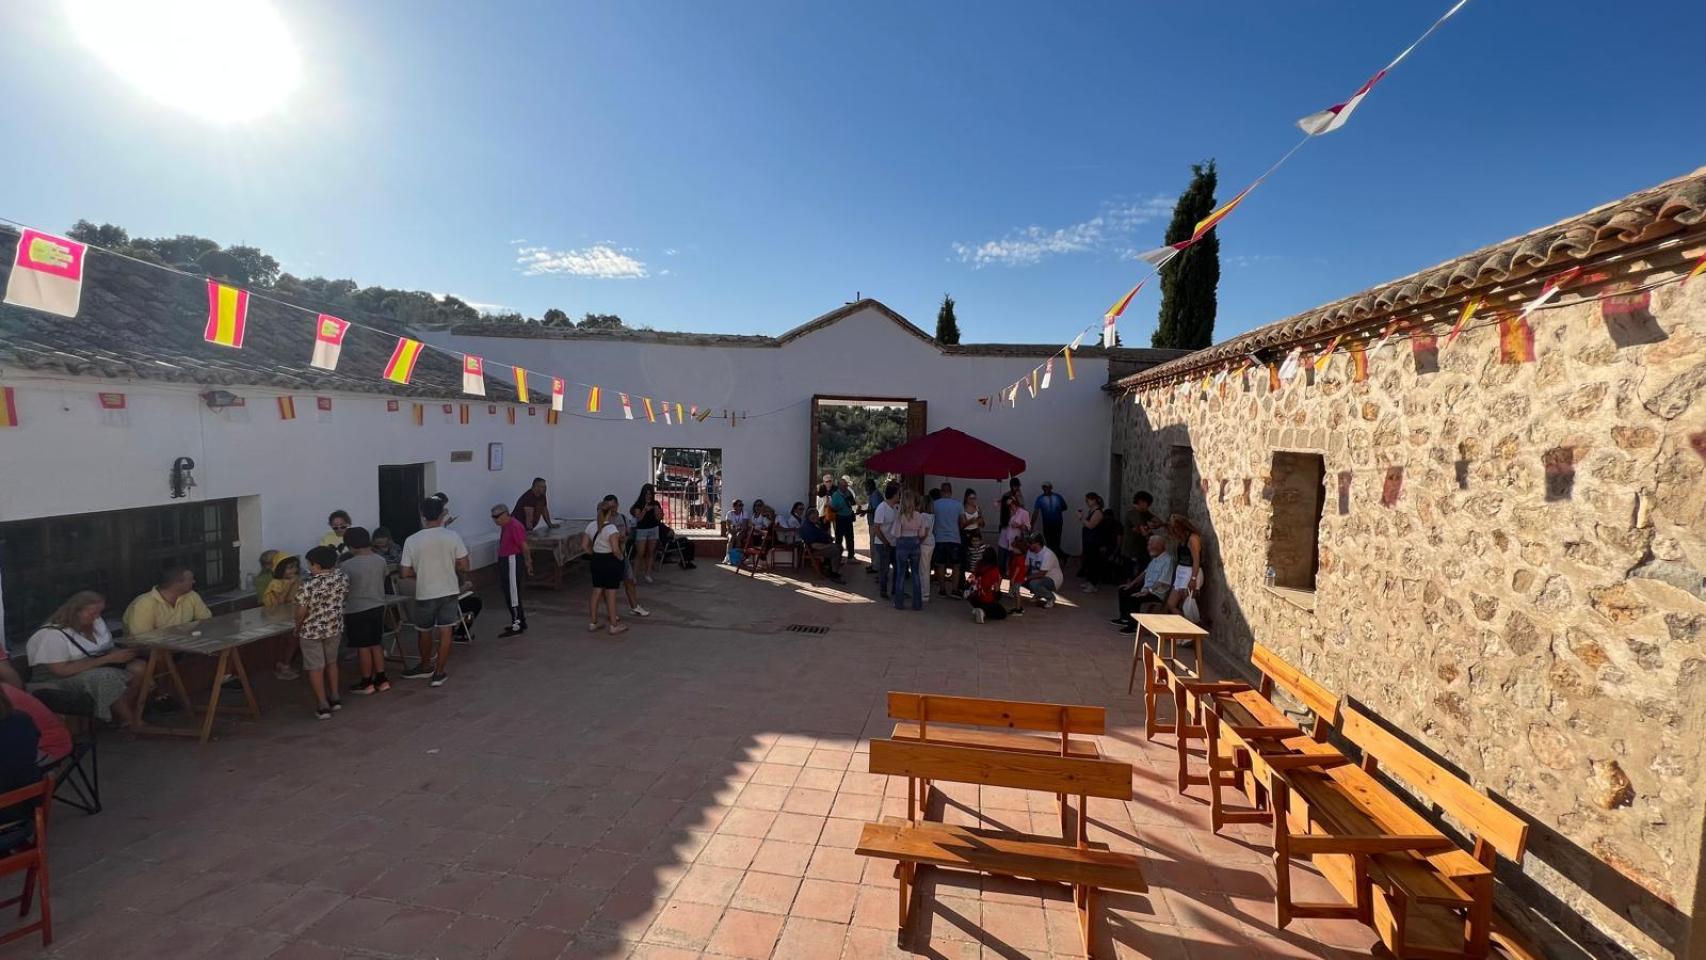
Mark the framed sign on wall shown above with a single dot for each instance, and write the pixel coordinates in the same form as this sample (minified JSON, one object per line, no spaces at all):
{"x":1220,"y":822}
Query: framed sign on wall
{"x":494,"y":456}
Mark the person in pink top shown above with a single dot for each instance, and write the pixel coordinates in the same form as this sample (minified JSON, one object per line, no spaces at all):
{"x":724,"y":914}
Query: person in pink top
{"x":513,"y":558}
{"x":55,"y":742}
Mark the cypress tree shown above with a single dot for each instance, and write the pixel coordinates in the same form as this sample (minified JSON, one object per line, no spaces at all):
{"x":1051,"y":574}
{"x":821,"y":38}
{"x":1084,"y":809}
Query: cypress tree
{"x":1188,"y":281}
{"x":947,"y":325}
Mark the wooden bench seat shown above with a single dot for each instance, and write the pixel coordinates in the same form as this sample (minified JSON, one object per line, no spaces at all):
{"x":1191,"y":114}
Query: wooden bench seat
{"x":1425,"y":896}
{"x":919,"y":716}
{"x":1023,"y":855}
{"x":1073,"y":860}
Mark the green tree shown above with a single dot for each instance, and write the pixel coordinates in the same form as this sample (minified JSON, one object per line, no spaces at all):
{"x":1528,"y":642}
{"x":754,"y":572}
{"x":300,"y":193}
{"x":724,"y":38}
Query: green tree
{"x":601,"y":321}
{"x":556,"y":318}
{"x":947,"y":325}
{"x":1189,"y":280}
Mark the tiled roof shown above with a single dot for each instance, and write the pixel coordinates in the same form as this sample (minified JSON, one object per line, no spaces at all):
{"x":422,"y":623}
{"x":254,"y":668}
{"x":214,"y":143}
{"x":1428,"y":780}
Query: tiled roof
{"x":138,"y":321}
{"x":1669,"y":208}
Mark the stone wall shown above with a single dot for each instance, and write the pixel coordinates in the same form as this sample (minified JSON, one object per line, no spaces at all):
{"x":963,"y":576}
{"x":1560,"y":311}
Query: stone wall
{"x":1510,"y":566}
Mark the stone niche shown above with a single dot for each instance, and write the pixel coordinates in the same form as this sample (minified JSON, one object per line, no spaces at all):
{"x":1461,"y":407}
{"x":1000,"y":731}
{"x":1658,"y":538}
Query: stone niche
{"x":1507,"y":569}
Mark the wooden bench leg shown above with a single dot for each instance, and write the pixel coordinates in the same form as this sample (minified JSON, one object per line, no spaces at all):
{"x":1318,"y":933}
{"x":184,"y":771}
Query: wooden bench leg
{"x":1281,"y":795}
{"x":906,"y":882}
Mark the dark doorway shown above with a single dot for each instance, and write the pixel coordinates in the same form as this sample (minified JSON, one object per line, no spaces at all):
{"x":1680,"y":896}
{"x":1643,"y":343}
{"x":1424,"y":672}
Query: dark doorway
{"x":847,"y":430}
{"x":402,"y":487}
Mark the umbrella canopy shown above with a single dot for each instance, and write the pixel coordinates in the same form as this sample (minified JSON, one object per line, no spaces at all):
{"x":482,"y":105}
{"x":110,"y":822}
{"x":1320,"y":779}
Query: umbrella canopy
{"x":949,"y":453}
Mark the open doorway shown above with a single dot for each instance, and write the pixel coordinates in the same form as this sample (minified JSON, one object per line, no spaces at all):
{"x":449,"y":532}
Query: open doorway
{"x":402,"y":487}
{"x":848,"y":430}
{"x":689,"y":483}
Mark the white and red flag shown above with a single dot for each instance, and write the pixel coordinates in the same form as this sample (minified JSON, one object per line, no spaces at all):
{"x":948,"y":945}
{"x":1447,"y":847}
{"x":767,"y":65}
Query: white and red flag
{"x":328,"y":341}
{"x":47,"y":273}
{"x":1551,"y":289}
{"x":1109,"y":335}
{"x":473,"y":375}
{"x":1335,"y":116}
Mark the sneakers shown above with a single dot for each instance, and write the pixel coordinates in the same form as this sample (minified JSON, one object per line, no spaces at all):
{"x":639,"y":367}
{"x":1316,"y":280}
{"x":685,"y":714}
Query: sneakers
{"x":1089,"y":588}
{"x":1119,"y":621}
{"x":1018,"y":611}
{"x":365,"y":688}
{"x":592,"y":627}
{"x":1129,"y":628}
{"x":419,"y":671}
{"x":513,"y":630}
{"x":284,"y":672}
{"x":977,"y":615}
{"x":322,"y":713}
{"x":648,"y":579}
{"x":337,"y":705}
{"x":1048,"y":603}
{"x":380,"y":683}
{"x":438,"y":679}
{"x":639,"y":611}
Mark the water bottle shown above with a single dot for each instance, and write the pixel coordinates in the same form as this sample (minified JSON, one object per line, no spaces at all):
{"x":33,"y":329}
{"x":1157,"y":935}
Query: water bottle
{"x":1269,"y":579}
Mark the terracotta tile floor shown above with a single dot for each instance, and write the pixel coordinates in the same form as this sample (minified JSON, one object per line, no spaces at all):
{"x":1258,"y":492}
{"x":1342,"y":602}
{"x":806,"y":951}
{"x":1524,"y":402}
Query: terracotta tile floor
{"x":692,"y":789}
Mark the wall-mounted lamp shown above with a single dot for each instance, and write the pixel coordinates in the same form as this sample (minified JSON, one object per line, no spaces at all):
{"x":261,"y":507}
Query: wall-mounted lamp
{"x":219,"y":400}
{"x":181,"y":481}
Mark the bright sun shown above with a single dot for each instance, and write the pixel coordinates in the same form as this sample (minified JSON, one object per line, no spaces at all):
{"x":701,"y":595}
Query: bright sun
{"x":224,"y":60}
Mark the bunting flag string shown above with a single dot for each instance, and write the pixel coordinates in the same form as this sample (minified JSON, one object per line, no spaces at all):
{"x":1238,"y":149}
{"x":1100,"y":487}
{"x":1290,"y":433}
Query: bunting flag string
{"x":627,"y":408}
{"x":1551,"y":289}
{"x":651,"y":415}
{"x":557,"y":390}
{"x":1359,"y":363}
{"x":520,"y":376}
{"x":47,"y":274}
{"x":1516,"y":340}
{"x":1462,"y":320}
{"x":679,"y":417}
{"x":1335,"y":116}
{"x":328,"y":341}
{"x":1109,"y":336}
{"x":593,"y":400}
{"x":1048,"y":372}
{"x":287,"y":408}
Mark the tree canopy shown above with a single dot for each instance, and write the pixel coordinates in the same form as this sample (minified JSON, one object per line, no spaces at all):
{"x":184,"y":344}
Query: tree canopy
{"x":250,"y":268}
{"x":947,"y":325}
{"x":1189,"y":280}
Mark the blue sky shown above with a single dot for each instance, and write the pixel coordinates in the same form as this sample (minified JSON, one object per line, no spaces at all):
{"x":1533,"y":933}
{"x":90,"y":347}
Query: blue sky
{"x":745,"y":166}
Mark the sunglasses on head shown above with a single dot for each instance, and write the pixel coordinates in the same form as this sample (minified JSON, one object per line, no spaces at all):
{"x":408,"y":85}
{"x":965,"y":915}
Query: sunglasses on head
{"x":500,"y":514}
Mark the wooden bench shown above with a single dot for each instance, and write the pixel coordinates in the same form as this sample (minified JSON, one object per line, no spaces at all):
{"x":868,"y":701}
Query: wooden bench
{"x":1086,"y":867}
{"x":1243,"y":729}
{"x":916,"y":712}
{"x":1423,"y":894}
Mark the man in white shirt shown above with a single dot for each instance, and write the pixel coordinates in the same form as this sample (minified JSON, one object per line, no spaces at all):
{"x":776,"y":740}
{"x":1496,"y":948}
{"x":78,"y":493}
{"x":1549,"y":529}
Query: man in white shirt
{"x":436,"y":558}
{"x":1042,"y":573}
{"x":882,"y":548}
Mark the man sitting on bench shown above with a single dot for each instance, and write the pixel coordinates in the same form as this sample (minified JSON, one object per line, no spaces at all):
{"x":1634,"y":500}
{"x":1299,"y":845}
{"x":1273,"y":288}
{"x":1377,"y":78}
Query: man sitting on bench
{"x":1147,"y":591}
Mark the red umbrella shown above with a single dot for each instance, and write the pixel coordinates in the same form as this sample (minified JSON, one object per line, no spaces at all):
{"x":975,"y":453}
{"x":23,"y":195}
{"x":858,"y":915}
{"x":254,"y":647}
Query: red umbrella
{"x":949,"y":453}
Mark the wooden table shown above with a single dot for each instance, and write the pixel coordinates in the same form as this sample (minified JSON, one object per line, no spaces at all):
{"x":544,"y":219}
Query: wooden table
{"x":1168,"y":629}
{"x":222,"y":636}
{"x":562,"y":545}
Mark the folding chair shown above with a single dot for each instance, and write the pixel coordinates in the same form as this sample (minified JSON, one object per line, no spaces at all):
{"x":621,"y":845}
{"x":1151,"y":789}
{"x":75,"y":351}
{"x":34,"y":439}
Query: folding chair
{"x":78,"y":783}
{"x":671,"y":552}
{"x":463,"y":632}
{"x":20,"y":850}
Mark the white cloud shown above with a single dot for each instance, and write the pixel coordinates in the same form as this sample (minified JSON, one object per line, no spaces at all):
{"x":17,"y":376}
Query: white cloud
{"x":669,"y":251}
{"x":602,"y":261}
{"x":1105,"y":232}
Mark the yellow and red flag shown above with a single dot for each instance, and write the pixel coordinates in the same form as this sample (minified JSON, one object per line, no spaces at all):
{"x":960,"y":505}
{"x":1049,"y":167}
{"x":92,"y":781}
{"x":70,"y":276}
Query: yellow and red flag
{"x":227,"y":315}
{"x":401,"y":367}
{"x":287,"y":408}
{"x":328,"y":341}
{"x":1699,"y":268}
{"x":1326,"y":354}
{"x":593,"y":400}
{"x":651,"y":415}
{"x":47,"y":273}
{"x":1114,"y":312}
{"x":1069,"y":373}
{"x":1551,"y":289}
{"x":1516,"y":340}
{"x":8,"y":407}
{"x":1208,"y":223}
{"x":557,"y":388}
{"x":473,"y":375}
{"x":1463,"y":320}
{"x":679,"y":416}
{"x":1359,"y":362}
{"x":520,"y":383}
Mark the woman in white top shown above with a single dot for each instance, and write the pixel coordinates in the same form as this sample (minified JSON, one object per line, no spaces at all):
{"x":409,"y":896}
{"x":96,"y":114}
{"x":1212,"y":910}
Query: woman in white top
{"x":907,"y":533}
{"x":788,"y":524}
{"x":604,"y":547}
{"x":1017,"y":528}
{"x":75,"y":650}
{"x":971,"y":518}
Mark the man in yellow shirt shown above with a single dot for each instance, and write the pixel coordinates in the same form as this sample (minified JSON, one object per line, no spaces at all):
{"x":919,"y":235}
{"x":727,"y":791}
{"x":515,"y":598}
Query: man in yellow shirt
{"x":173,"y":602}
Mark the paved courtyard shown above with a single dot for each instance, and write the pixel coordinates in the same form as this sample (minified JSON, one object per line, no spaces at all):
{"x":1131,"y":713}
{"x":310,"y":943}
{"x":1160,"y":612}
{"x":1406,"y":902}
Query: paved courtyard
{"x":694,"y":788}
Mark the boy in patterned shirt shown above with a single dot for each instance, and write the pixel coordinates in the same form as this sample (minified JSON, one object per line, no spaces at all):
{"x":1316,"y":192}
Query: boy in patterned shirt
{"x":320,"y":624}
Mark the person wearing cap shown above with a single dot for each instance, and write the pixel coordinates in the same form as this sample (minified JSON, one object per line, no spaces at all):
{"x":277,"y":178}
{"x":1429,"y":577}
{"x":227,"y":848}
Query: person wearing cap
{"x":1050,"y":514}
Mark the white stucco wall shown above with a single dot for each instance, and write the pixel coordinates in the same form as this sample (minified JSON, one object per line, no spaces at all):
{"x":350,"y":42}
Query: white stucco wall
{"x":1062,"y":436}
{"x":62,"y":459}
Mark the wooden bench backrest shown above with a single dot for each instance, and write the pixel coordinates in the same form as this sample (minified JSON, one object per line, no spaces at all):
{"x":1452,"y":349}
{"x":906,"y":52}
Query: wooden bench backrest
{"x":1320,"y":701}
{"x":1017,"y":714}
{"x":1108,"y":779}
{"x":1486,"y":819}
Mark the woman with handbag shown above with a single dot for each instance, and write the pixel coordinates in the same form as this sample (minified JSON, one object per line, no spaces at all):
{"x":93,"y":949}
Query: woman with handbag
{"x":76,"y":651}
{"x":1188,"y":576}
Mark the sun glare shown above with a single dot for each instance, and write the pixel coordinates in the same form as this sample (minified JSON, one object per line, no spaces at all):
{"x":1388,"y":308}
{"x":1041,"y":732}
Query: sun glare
{"x":223,"y":60}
